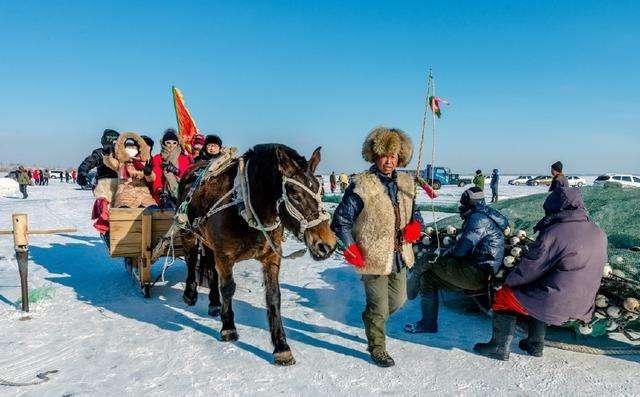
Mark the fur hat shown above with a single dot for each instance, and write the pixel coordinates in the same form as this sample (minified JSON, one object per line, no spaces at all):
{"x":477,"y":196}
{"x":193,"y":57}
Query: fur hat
{"x":170,"y":135}
{"x":120,"y":144}
{"x":213,"y":139}
{"x":383,"y":140}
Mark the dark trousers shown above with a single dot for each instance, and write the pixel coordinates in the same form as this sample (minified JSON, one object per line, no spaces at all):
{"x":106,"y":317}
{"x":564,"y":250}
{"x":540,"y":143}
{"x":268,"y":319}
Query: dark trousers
{"x":453,"y":274}
{"x":494,"y":194}
{"x":23,"y":190}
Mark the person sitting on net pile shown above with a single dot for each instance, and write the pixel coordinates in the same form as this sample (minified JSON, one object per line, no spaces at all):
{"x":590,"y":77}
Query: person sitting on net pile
{"x":556,"y":280}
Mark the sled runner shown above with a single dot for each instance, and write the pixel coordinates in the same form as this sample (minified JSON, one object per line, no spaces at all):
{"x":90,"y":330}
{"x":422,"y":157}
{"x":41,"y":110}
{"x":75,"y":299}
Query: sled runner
{"x":134,"y":232}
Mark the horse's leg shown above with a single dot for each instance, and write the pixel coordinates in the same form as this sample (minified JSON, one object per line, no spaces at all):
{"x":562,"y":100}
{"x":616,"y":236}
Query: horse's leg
{"x":227,"y":289}
{"x":281,"y":352}
{"x":190,"y":294}
{"x":214,"y":291}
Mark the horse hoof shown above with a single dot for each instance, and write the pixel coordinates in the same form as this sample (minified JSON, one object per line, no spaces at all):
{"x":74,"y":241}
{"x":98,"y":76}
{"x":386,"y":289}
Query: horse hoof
{"x":189,"y":300}
{"x":229,"y":335}
{"x":284,"y":358}
{"x":214,"y":311}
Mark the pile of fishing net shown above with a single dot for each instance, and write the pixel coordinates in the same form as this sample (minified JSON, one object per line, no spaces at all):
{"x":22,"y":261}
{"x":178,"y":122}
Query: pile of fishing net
{"x":615,"y":210}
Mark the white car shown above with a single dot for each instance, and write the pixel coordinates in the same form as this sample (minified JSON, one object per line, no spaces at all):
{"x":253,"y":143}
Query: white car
{"x":625,"y":180}
{"x":576,"y":181}
{"x":521,"y":180}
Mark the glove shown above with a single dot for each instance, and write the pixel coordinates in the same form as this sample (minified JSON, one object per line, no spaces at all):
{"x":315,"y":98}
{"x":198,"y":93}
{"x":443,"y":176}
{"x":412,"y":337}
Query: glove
{"x":353,"y":255}
{"x":411,"y":232}
{"x":168,"y":167}
{"x":147,"y":169}
{"x":165,"y":200}
{"x":82,"y":180}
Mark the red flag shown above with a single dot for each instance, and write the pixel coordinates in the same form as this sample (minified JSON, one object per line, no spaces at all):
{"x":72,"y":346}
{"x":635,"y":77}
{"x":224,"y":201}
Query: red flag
{"x":187,"y":128}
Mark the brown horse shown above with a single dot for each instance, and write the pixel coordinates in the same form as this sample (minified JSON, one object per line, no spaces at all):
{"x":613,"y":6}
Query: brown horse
{"x":284,"y":193}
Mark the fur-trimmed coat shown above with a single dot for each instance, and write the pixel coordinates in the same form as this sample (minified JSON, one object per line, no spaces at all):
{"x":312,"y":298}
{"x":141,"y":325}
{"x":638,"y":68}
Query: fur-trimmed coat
{"x":133,"y":186}
{"x":366,"y":217}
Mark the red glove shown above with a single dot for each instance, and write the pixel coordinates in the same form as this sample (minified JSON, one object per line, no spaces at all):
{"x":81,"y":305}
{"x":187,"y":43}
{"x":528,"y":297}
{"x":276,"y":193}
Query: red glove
{"x":353,"y":255}
{"x":429,"y":191}
{"x":411,"y":232}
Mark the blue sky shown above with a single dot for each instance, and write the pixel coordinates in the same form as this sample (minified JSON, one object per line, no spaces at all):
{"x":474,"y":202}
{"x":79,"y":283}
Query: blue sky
{"x":529,"y":83}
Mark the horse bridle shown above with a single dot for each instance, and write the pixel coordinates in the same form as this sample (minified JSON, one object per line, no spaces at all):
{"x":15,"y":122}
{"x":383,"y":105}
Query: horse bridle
{"x":297,"y":214}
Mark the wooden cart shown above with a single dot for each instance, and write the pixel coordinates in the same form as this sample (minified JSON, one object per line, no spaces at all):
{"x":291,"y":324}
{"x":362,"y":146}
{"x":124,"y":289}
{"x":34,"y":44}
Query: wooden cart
{"x":133,"y":234}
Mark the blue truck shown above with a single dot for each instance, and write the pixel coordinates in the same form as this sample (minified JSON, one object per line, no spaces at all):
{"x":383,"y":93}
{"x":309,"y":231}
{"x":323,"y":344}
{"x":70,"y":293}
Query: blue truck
{"x":442,"y":176}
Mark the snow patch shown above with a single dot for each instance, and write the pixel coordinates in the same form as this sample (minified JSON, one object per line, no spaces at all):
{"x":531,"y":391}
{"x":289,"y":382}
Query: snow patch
{"x":9,"y":187}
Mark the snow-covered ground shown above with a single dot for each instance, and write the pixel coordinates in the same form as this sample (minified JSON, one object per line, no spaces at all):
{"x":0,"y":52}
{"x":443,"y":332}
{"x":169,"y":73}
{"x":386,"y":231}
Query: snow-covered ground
{"x":104,"y":338}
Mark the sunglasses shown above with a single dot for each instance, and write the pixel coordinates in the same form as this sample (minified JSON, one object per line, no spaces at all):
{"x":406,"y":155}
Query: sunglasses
{"x":170,"y":142}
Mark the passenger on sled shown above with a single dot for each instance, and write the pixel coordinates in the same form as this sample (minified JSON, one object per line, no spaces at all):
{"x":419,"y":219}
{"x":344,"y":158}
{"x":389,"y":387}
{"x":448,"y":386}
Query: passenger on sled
{"x":168,"y":167}
{"x":210,"y":150}
{"x":133,"y":165}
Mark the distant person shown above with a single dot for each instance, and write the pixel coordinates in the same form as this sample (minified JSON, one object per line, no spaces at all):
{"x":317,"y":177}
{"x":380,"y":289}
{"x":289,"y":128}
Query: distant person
{"x":74,"y":175}
{"x":106,"y":180}
{"x":67,"y":176}
{"x":23,"y":180}
{"x":332,"y":182}
{"x":210,"y":149}
{"x":495,"y":180}
{"x":478,"y":180}
{"x":168,"y":167}
{"x":46,"y":175}
{"x":557,"y":279}
{"x":559,"y":180}
{"x":343,"y":180}
{"x":36,"y":177}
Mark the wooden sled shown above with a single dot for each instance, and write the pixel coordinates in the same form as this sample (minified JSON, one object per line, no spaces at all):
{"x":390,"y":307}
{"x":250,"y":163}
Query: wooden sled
{"x":133,"y":234}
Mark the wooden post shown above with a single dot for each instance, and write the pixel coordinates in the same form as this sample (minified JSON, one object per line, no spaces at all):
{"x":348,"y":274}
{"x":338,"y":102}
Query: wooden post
{"x":21,"y":246}
{"x":145,"y":261}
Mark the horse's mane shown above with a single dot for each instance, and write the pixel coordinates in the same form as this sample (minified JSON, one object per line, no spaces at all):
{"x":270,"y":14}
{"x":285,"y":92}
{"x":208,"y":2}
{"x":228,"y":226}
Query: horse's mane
{"x":268,"y":150}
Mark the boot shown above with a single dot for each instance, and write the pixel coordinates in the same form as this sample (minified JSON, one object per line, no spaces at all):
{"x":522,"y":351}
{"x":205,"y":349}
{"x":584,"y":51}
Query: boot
{"x":499,"y":346}
{"x":534,"y":343}
{"x":429,"y":308}
{"x":381,"y":358}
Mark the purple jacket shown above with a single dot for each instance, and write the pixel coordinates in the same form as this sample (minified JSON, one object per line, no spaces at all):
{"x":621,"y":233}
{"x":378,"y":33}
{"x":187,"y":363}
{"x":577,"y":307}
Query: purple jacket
{"x":558,"y":278}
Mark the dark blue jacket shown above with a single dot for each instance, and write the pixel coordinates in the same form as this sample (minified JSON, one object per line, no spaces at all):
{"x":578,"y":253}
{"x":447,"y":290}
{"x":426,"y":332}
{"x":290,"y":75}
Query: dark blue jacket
{"x":482,"y":238}
{"x":351,"y":205}
{"x":495,"y":178}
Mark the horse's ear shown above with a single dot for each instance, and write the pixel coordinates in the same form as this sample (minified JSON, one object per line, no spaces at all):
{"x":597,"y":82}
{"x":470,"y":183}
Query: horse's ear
{"x":314,"y":160}
{"x":285,"y":164}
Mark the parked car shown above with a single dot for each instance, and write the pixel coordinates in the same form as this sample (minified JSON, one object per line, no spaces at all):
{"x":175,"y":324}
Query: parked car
{"x":576,"y":181}
{"x":521,"y":180}
{"x":540,"y":180}
{"x":12,"y":174}
{"x":624,"y":180}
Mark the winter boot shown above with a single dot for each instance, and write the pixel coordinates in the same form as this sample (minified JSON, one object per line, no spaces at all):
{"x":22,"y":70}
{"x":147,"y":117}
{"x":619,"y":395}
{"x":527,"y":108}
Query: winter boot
{"x":429,"y":321}
{"x":534,"y":343}
{"x":381,"y":358}
{"x":499,"y":346}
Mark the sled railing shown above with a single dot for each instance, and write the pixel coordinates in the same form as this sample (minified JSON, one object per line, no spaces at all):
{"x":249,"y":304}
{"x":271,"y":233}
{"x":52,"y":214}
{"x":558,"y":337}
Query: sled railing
{"x":133,"y":232}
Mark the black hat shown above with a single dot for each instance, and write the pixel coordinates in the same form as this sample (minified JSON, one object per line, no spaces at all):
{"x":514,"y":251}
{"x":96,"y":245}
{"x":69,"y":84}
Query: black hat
{"x":109,"y":136}
{"x":478,"y":172}
{"x":170,"y":135}
{"x":148,"y":141}
{"x":472,"y":196}
{"x":212,"y":139}
{"x":557,"y":166}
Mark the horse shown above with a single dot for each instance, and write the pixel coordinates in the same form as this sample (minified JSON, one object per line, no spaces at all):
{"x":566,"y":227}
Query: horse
{"x":282,"y":193}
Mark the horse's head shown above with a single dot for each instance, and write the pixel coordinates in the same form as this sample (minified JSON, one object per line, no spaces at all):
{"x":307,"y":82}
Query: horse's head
{"x":300,"y":207}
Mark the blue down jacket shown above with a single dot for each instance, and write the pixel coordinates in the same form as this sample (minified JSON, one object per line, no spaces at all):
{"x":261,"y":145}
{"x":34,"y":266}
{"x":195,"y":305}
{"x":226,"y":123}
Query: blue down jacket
{"x":482,"y":238}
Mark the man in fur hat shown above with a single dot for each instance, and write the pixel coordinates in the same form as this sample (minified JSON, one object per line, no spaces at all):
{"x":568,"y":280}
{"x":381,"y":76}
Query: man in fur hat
{"x":377,"y":224}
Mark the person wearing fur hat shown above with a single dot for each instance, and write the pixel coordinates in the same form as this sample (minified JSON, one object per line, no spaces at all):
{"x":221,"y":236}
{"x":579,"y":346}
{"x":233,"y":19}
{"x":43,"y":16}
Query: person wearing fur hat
{"x":467,"y":266}
{"x":131,"y":160}
{"x":559,"y":180}
{"x":210,"y":149}
{"x":377,"y":225}
{"x":168,"y":167}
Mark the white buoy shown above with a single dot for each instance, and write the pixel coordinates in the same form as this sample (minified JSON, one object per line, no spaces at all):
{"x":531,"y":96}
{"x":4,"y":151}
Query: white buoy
{"x":514,"y":241}
{"x":630,"y":316}
{"x":451,"y":230}
{"x":631,"y":304}
{"x":426,"y":240}
{"x":619,"y":260}
{"x":606,"y":271}
{"x":598,"y":315}
{"x":447,"y":240}
{"x":614,"y":311}
{"x":618,"y":273}
{"x":507,"y":231}
{"x":509,"y":261}
{"x":612,"y":326}
{"x":521,"y":234}
{"x":429,"y":230}
{"x":585,"y":329}
{"x":416,"y":249}
{"x":601,"y":301}
{"x":516,"y":251}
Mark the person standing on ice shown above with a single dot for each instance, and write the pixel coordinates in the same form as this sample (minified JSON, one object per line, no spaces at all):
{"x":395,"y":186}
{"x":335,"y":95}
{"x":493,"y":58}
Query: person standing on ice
{"x":467,"y":266}
{"x":478,"y":180}
{"x":559,"y":180}
{"x":557,"y":279}
{"x":23,"y":181}
{"x":106,"y":180}
{"x":46,"y":175}
{"x":168,"y":167}
{"x":495,"y":179}
{"x":377,"y":225}
{"x":332,"y":182}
